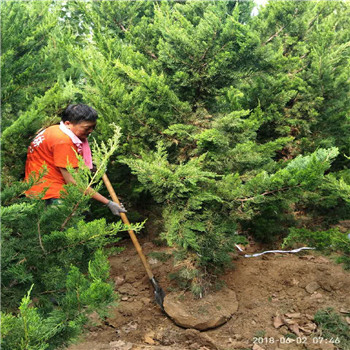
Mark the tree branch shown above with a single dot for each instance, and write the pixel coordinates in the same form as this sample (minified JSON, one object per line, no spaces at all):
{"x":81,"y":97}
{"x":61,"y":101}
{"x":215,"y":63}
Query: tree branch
{"x":69,"y":216}
{"x":266,"y":194}
{"x":274,"y":35}
{"x":40,"y":240}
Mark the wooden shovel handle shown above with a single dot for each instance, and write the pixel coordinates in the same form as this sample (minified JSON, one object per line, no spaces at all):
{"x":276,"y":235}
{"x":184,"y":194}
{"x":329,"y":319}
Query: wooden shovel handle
{"x":126,"y":222}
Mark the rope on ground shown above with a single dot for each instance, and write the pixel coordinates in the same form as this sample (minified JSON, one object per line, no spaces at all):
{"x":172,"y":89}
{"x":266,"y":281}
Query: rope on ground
{"x":273,"y":251}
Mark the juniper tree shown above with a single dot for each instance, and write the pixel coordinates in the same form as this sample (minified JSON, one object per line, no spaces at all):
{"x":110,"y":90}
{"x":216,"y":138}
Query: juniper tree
{"x":302,"y":85}
{"x":202,"y":209}
{"x":130,"y":64}
{"x":33,"y":59}
{"x":25,"y":72}
{"x":301,"y":79}
{"x":201,"y":45}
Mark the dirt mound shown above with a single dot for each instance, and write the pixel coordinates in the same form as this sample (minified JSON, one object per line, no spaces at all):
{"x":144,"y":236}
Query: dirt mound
{"x":202,"y":314}
{"x":277,"y":294}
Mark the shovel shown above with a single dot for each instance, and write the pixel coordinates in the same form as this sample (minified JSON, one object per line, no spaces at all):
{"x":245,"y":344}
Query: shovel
{"x":158,"y":291}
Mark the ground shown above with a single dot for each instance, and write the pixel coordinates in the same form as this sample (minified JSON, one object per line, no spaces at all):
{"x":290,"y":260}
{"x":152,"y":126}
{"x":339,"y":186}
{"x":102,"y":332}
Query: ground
{"x":278,"y":296}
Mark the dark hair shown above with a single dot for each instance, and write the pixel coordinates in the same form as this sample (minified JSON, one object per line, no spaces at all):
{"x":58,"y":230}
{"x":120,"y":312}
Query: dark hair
{"x":79,"y":113}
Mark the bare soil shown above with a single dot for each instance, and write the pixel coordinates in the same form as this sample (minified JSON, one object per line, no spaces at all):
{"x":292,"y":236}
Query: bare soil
{"x":278,"y":295}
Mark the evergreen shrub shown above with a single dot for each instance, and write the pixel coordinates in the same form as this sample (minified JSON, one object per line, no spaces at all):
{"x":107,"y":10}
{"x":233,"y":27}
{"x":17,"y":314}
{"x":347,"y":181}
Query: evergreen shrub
{"x":328,"y":241}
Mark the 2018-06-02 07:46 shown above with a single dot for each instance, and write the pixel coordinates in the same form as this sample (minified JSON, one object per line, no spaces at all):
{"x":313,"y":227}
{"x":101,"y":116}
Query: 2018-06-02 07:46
{"x":298,"y":340}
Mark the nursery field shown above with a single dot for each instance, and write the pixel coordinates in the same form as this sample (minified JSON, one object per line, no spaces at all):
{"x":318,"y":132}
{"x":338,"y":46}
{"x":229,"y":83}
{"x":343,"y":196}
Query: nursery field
{"x":219,"y":124}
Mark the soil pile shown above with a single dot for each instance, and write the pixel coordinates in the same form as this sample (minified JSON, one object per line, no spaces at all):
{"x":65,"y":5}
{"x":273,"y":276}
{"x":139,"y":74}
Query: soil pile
{"x":201,"y":314}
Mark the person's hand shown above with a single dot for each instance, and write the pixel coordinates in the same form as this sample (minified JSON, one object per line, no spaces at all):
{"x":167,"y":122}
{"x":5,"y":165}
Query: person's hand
{"x":115,"y":208}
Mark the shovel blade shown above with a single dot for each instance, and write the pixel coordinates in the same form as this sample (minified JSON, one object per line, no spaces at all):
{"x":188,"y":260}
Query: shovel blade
{"x":158,"y":293}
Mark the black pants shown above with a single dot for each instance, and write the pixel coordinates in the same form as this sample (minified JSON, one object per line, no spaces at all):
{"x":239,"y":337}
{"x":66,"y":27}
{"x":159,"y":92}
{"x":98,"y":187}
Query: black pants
{"x":53,"y":201}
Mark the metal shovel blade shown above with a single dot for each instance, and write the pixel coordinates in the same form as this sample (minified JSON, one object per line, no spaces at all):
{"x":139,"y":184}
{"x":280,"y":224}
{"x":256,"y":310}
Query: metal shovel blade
{"x":158,"y":293}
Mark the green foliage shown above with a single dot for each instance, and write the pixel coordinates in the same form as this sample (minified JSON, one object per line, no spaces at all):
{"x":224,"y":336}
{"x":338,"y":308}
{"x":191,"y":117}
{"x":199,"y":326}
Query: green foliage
{"x":271,"y":221}
{"x":26,"y":331}
{"x":333,"y":327}
{"x":201,"y":215}
{"x":33,"y":329}
{"x":328,"y":241}
{"x":25,"y":71}
{"x":229,"y":123}
{"x":334,"y":192}
{"x":166,"y":181}
{"x":190,"y":278}
{"x":301,"y":76}
{"x":300,"y":175}
{"x":33,"y":54}
{"x":42,"y":112}
{"x":201,"y":45}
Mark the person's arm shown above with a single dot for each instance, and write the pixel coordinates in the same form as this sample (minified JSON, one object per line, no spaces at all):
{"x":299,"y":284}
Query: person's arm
{"x":68,"y":178}
{"x":115,"y":208}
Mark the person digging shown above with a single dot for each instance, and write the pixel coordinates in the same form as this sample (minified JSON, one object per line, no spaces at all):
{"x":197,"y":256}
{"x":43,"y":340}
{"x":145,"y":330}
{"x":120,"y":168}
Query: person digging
{"x":57,"y":147}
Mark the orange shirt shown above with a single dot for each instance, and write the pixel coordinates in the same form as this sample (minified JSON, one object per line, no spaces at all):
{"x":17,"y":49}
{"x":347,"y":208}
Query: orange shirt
{"x":55,"y":149}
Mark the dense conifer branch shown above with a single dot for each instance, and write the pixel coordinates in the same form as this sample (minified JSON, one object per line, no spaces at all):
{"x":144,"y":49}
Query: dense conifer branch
{"x":266,"y":193}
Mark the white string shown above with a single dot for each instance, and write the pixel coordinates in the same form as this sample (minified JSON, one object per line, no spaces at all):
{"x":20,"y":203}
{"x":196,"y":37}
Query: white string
{"x":273,"y":251}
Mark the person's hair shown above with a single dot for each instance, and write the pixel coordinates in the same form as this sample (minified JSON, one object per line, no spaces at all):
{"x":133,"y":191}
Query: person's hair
{"x":79,"y":113}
